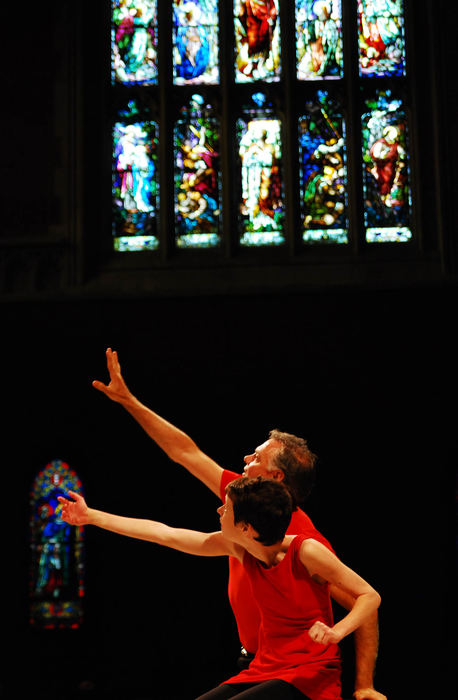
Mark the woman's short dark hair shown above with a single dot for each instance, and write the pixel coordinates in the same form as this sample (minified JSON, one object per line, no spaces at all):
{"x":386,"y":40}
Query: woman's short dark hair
{"x":264,"y":504}
{"x":297,"y":462}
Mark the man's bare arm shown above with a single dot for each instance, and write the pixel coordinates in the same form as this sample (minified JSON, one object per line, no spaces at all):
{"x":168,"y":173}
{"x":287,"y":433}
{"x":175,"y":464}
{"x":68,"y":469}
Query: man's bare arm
{"x":175,"y":443}
{"x":366,"y":649}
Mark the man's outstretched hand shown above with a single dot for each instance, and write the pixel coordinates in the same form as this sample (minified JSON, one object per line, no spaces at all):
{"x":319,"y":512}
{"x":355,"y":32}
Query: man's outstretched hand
{"x":368,"y":694}
{"x":117,"y":389}
{"x":74,"y":512}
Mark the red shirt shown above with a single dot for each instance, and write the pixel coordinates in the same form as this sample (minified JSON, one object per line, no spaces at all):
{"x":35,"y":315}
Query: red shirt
{"x":243,"y":604}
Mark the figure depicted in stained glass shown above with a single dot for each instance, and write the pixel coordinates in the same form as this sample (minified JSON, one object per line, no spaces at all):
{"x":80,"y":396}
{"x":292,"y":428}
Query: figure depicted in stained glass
{"x":386,"y":175}
{"x":381,"y":37}
{"x":257,"y":38}
{"x":262,"y":206}
{"x":323,"y":172}
{"x":56,"y":584}
{"x":196,"y":41}
{"x":135,"y":181}
{"x":134,"y":41}
{"x":197,"y":177}
{"x":319,"y":40}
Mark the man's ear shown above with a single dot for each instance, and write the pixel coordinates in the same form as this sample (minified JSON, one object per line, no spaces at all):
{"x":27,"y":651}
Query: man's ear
{"x":277,"y":475}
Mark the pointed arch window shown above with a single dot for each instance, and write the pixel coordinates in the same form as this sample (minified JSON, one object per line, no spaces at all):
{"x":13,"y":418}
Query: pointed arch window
{"x":56,"y":582}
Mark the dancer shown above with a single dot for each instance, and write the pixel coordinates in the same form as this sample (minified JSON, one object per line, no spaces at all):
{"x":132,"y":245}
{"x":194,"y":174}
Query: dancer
{"x":283,"y":458}
{"x":297,"y":654}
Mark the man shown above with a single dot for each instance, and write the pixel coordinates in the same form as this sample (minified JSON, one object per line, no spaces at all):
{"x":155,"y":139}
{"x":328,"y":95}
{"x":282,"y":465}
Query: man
{"x":298,"y":654}
{"x":283,"y":458}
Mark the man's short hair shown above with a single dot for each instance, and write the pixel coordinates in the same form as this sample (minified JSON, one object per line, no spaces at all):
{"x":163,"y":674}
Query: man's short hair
{"x":264,"y":504}
{"x":297,"y":462}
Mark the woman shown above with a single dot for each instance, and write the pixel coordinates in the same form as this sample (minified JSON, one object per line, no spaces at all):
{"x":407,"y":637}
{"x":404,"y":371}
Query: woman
{"x":297,"y":655}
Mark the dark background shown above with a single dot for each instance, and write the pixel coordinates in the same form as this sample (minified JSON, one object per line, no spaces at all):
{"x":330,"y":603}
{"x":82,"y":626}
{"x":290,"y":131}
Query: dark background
{"x":365,"y":371}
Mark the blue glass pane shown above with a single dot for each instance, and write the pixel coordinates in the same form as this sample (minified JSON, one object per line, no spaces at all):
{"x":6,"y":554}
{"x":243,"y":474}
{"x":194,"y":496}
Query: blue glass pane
{"x":197,"y":176}
{"x":319,"y":39}
{"x":386,"y":177}
{"x":135,"y":183}
{"x":56,"y":585}
{"x":134,"y":42}
{"x":195,"y":39}
{"x":381,"y":37}
{"x":257,"y":40}
{"x":322,"y":172}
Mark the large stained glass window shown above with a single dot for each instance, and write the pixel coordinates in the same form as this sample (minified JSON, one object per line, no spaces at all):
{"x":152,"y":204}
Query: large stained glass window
{"x":262,"y":209}
{"x":236,"y":116}
{"x":319,"y":40}
{"x":135,"y":181}
{"x":56,"y":584}
{"x":386,"y":180}
{"x":197,"y":176}
{"x":195,"y":36}
{"x":257,"y":40}
{"x":322,"y":172}
{"x":381,"y":37}
{"x":134,"y":42}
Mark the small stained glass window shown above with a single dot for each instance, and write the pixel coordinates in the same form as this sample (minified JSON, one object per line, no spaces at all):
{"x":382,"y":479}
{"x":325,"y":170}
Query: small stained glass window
{"x":323,"y":172}
{"x":134,"y":42}
{"x":195,"y":38}
{"x":257,"y":40}
{"x":56,"y":586}
{"x":197,"y":176}
{"x":262,"y":209}
{"x":319,"y":39}
{"x":386,"y":180}
{"x":135,"y":187}
{"x":381,"y":38}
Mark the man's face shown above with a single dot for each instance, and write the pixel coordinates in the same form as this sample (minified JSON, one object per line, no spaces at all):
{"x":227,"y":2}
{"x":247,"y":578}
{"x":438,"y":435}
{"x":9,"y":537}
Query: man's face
{"x":260,"y":463}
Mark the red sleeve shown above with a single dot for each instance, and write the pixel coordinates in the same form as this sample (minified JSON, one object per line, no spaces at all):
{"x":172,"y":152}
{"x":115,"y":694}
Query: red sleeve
{"x":226,"y":478}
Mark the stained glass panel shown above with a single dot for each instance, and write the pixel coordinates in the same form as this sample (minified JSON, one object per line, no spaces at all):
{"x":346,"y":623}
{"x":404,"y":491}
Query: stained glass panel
{"x":262,"y":209}
{"x":257,"y":40}
{"x":197,"y":176}
{"x":135,"y":181}
{"x":322,"y":172}
{"x":195,"y":40}
{"x":386,"y":179}
{"x":381,"y":37}
{"x":56,"y":585}
{"x":319,"y":39}
{"x":134,"y":42}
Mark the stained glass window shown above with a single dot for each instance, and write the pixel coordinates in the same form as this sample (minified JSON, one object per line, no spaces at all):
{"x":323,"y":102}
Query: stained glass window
{"x":134,"y":42}
{"x":322,"y":172}
{"x":197,"y":176}
{"x":257,"y":40}
{"x":386,"y":180}
{"x":381,"y":38}
{"x":195,"y":38}
{"x":262,"y":210}
{"x":319,"y":39}
{"x":56,"y":585}
{"x":135,"y":181}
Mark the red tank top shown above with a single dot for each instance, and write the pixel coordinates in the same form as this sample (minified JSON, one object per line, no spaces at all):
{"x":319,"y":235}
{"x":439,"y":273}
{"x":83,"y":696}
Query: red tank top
{"x":241,"y":598}
{"x":290,"y":601}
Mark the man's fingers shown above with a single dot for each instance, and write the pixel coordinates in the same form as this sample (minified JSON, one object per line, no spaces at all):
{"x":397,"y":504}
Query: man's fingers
{"x":99,"y":385}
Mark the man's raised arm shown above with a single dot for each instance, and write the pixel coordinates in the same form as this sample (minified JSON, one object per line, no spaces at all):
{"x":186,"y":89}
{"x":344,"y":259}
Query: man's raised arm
{"x":175,"y":443}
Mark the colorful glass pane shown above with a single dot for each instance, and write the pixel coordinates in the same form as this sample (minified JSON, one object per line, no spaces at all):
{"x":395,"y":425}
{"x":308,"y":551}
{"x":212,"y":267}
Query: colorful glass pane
{"x":197,"y":176}
{"x":319,"y":39}
{"x":262,"y":209}
{"x":257,"y":40}
{"x":386,"y":180}
{"x":322,"y":172}
{"x":56,"y":584}
{"x":381,"y":37}
{"x":195,"y":39}
{"x":135,"y":182}
{"x":134,"y":42}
